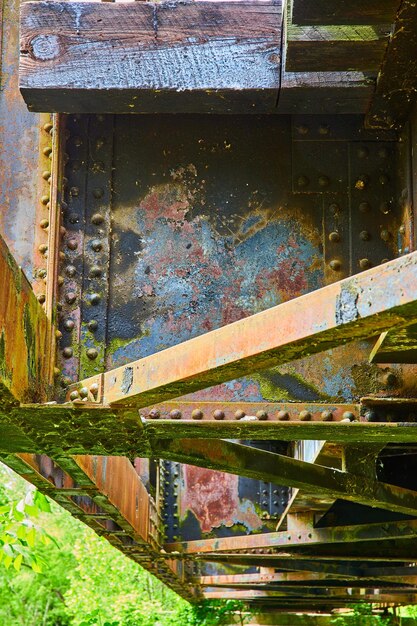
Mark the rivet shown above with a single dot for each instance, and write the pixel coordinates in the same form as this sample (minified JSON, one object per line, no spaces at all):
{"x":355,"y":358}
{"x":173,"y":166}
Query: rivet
{"x":92,"y":353}
{"x":175,"y":414}
{"x":69,"y":325}
{"x":283,"y":416}
{"x":70,"y":297}
{"x":334,"y":208}
{"x":98,"y":193}
{"x":67,"y":353}
{"x":58,"y":306}
{"x":97,"y":245}
{"x":72,"y":244}
{"x":94,"y":389}
{"x":361,"y":182}
{"x":60,"y":280}
{"x":324,"y":130}
{"x":327,"y":416}
{"x":95,"y":299}
{"x":73,"y":218}
{"x":239,"y":414}
{"x":262,"y":415}
{"x":323,"y":181}
{"x":364,"y":264}
{"x":62,"y":231}
{"x":64,"y":182}
{"x":384,"y":179}
{"x":46,"y":175}
{"x":385,"y":207}
{"x":364,"y":207}
{"x":65,"y":381}
{"x":302,"y":129}
{"x":78,"y":141}
{"x":70,"y":271}
{"x":362,"y":152}
{"x":42,"y":273}
{"x":302,"y":181}
{"x":74,"y":395}
{"x":92,"y":325}
{"x":95,"y":271}
{"x":401,"y":229}
{"x":57,"y":372}
{"x":197,"y":414}
{"x":348,"y":416}
{"x":304,"y":416}
{"x":84,"y":392}
{"x":43,"y":248}
{"x":45,"y":199}
{"x":41,"y":298}
{"x":334,"y":237}
{"x":58,"y":334}
{"x":364,"y":235}
{"x":74,"y":191}
{"x":218,"y":414}
{"x":47,"y":127}
{"x":47,"y":150}
{"x":335,"y":265}
{"x":154,"y":414}
{"x":100,"y":142}
{"x":385,"y":235}
{"x":97,"y":219}
{"x":384,"y":261}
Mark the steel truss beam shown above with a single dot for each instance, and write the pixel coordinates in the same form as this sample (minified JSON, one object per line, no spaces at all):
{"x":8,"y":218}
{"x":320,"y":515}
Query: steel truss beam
{"x":246,"y":461}
{"x":354,"y":308}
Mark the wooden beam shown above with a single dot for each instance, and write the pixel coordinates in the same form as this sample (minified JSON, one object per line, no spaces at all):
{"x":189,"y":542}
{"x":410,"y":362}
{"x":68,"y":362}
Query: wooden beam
{"x":234,"y":458}
{"x":24,"y":330}
{"x":354,"y":12}
{"x":354,"y":308}
{"x":335,"y":48}
{"x":397,"y":80}
{"x":150,"y":57}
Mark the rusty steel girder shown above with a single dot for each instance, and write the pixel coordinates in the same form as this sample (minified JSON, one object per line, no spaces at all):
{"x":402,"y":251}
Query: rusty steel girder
{"x":187,"y":370}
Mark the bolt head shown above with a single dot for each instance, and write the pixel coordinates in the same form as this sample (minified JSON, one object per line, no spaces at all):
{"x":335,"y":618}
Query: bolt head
{"x":175,"y":414}
{"x":335,"y":265}
{"x":72,"y":244}
{"x":98,"y":193}
{"x":364,"y":235}
{"x":92,"y":325}
{"x":302,"y":181}
{"x":71,"y":297}
{"x":97,"y":245}
{"x":41,"y":298}
{"x":197,"y":414}
{"x":74,"y":395}
{"x":95,"y":271}
{"x":70,"y":271}
{"x":327,"y":416}
{"x":154,"y":414}
{"x":218,"y":414}
{"x":44,"y":223}
{"x":347,"y":415}
{"x":69,"y":325}
{"x":385,"y":235}
{"x":262,"y":415}
{"x":92,"y":353}
{"x":364,"y":264}
{"x":283,"y":416}
{"x":97,"y":219}
{"x":334,"y":237}
{"x":46,"y":175}
{"x":95,"y":299}
{"x":83,"y":392}
{"x":304,"y":416}
{"x":67,"y":353}
{"x":239,"y":414}
{"x":94,"y":389}
{"x":324,"y":181}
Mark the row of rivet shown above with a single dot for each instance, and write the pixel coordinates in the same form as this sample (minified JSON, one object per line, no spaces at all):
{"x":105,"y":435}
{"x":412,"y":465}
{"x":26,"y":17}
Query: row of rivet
{"x":41,"y":235}
{"x":71,"y":254}
{"x":218,"y":414}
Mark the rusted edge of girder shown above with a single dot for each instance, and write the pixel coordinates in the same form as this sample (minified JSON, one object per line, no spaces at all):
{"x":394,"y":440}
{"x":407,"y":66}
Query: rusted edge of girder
{"x":354,"y":308}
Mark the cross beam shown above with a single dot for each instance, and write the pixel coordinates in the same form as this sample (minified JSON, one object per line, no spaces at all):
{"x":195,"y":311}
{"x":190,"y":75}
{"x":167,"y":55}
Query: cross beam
{"x":251,"y":462}
{"x":354,"y":308}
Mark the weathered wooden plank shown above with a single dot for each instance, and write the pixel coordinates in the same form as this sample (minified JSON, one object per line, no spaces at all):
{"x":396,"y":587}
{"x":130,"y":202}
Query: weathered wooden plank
{"x":142,"y":57}
{"x":397,"y":80}
{"x":246,"y":461}
{"x":24,"y":330}
{"x":354,"y":12}
{"x":354,"y":308}
{"x":335,"y":48}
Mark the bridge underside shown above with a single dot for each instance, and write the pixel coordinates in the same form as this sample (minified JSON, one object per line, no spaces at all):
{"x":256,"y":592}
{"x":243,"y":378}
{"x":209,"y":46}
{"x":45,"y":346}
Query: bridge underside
{"x":208,"y":312}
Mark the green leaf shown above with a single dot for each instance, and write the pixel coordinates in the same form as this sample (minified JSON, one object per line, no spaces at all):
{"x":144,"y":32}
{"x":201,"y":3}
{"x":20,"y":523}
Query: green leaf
{"x":18,"y":562}
{"x":31,"y":510}
{"x":41,"y":502}
{"x":7,"y":561}
{"x":30,"y":537}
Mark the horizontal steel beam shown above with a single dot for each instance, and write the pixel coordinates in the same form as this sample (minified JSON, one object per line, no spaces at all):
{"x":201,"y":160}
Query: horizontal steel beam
{"x":354,"y":12}
{"x":284,"y":540}
{"x":354,"y":308}
{"x":278,"y":469}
